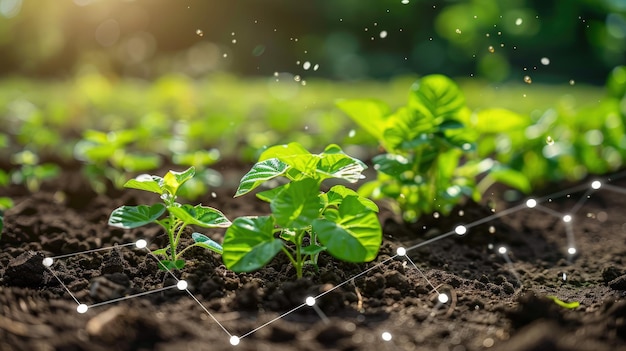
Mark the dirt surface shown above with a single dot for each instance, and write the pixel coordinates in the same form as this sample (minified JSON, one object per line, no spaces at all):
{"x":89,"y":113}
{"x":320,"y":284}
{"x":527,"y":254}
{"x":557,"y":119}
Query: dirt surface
{"x":493,"y":304}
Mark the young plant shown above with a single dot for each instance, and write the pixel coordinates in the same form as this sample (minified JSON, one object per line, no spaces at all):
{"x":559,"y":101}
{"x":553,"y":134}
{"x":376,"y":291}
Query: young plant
{"x":430,"y":164}
{"x":30,"y":172}
{"x":178,"y":218}
{"x":305,"y":221}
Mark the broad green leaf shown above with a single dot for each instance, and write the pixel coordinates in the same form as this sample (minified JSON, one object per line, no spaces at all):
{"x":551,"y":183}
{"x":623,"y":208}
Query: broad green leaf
{"x":294,"y":155}
{"x":5,"y":203}
{"x":497,"y":120}
{"x":368,"y":114}
{"x":206,"y":242}
{"x":438,"y":93}
{"x":146,"y":182}
{"x":262,"y":171}
{"x":249,"y":244}
{"x":168,"y":265}
{"x":392,"y":164}
{"x":336,"y":194}
{"x":406,"y":125}
{"x":312,"y":249}
{"x":135,"y":216}
{"x":203,"y":216}
{"x":269,"y":195}
{"x":199,"y":158}
{"x":336,"y":164}
{"x":297,"y":205}
{"x":173,"y":180}
{"x":512,"y":178}
{"x":139,"y":163}
{"x":354,"y":236}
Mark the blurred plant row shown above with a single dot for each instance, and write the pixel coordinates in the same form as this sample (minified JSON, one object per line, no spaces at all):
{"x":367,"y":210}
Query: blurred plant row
{"x":448,"y":142}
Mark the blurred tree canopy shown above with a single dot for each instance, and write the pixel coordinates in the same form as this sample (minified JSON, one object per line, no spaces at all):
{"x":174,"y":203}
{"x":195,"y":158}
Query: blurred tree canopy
{"x":554,"y":41}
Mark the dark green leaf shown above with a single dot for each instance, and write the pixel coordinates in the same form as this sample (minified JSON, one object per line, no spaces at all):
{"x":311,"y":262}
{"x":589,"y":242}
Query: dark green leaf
{"x":334,"y":197}
{"x":297,"y":205}
{"x":168,"y":265}
{"x":262,"y":171}
{"x":203,"y":216}
{"x":312,"y":250}
{"x":392,"y":164}
{"x":135,"y":216}
{"x":249,"y":244}
{"x":355,"y":236}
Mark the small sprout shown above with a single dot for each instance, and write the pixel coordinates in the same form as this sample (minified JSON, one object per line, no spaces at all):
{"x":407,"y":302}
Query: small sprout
{"x":568,"y":305}
{"x":178,"y":219}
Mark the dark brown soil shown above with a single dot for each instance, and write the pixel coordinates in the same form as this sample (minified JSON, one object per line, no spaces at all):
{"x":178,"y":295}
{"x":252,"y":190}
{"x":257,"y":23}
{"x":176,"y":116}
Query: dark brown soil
{"x":489,"y":307}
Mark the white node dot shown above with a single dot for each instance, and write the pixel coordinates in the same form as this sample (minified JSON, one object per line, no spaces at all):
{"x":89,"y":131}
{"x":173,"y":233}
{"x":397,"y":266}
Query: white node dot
{"x":530,"y":203}
{"x":234,"y":340}
{"x":460,"y":230}
{"x":47,"y":261}
{"x":567,"y":218}
{"x":386,"y":336}
{"x":571,"y":251}
{"x":401,"y":251}
{"x":82,"y":308}
{"x":140,"y":244}
{"x":310,"y":301}
{"x":596,"y":184}
{"x":181,"y":285}
{"x":443,"y":298}
{"x":502,"y":250}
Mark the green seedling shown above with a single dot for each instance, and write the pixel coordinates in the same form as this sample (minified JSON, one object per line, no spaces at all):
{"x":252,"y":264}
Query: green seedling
{"x":305,"y":221}
{"x":569,"y":305}
{"x":31,"y":173}
{"x":430,"y":164}
{"x":179,"y":216}
{"x":106,"y":157}
{"x":205,"y":177}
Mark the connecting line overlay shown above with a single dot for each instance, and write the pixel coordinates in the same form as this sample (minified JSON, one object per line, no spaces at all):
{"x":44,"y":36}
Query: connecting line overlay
{"x":310,"y":301}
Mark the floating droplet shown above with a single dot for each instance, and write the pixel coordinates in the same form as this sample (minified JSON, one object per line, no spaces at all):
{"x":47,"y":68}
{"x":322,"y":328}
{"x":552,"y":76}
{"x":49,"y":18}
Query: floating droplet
{"x":383,"y":34}
{"x":404,"y":2}
{"x":435,"y":214}
{"x":545,"y":61}
{"x":572,"y":82}
{"x":549,"y":140}
{"x":492,"y":229}
{"x":351,"y":133}
{"x":306,"y":65}
{"x":199,"y":32}
{"x":527,"y":80}
{"x":225,"y":55}
{"x":458,"y":31}
{"x":275,"y":74}
{"x":491,"y":49}
{"x":519,"y":21}
{"x":234,"y":41}
{"x":297,"y":78}
{"x":316,"y":67}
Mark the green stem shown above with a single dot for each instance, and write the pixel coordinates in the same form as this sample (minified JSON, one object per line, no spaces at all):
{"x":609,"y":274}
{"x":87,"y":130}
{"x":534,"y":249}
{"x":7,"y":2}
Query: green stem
{"x":293,"y":261}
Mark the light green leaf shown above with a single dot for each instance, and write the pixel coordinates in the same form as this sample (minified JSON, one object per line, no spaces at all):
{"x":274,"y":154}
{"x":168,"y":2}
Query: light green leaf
{"x":5,"y":203}
{"x":439,"y":94}
{"x":135,"y":216}
{"x":249,"y":244}
{"x":405,"y":126}
{"x":354,"y":236}
{"x":162,"y":251}
{"x":497,"y":120}
{"x":269,"y":195}
{"x":335,"y":164}
{"x":297,"y":205}
{"x":146,"y":182}
{"x":294,"y":155}
{"x":512,"y":178}
{"x":262,"y":171}
{"x":336,"y":194}
{"x":312,"y":249}
{"x":206,"y":242}
{"x":168,"y":265}
{"x":173,"y":180}
{"x":392,"y":164}
{"x":368,"y":114}
{"x":203,"y":216}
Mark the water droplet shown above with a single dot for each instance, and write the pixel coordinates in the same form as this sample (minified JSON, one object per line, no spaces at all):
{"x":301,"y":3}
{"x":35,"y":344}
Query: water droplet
{"x":492,"y":229}
{"x":316,"y":67}
{"x":199,"y":32}
{"x":491,"y":49}
{"x":545,"y":61}
{"x":549,"y":140}
{"x":297,"y":78}
{"x":404,"y":2}
{"x":461,"y":213}
{"x":275,"y":74}
{"x":527,"y":80}
{"x":234,"y":41}
{"x":519,"y":21}
{"x":306,"y":65}
{"x":435,"y":215}
{"x":303,"y":83}
{"x":351,"y":133}
{"x":572,"y":82}
{"x":232,"y":34}
{"x":213,"y":194}
{"x":458,"y":31}
{"x":225,"y":55}
{"x":383,"y":34}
